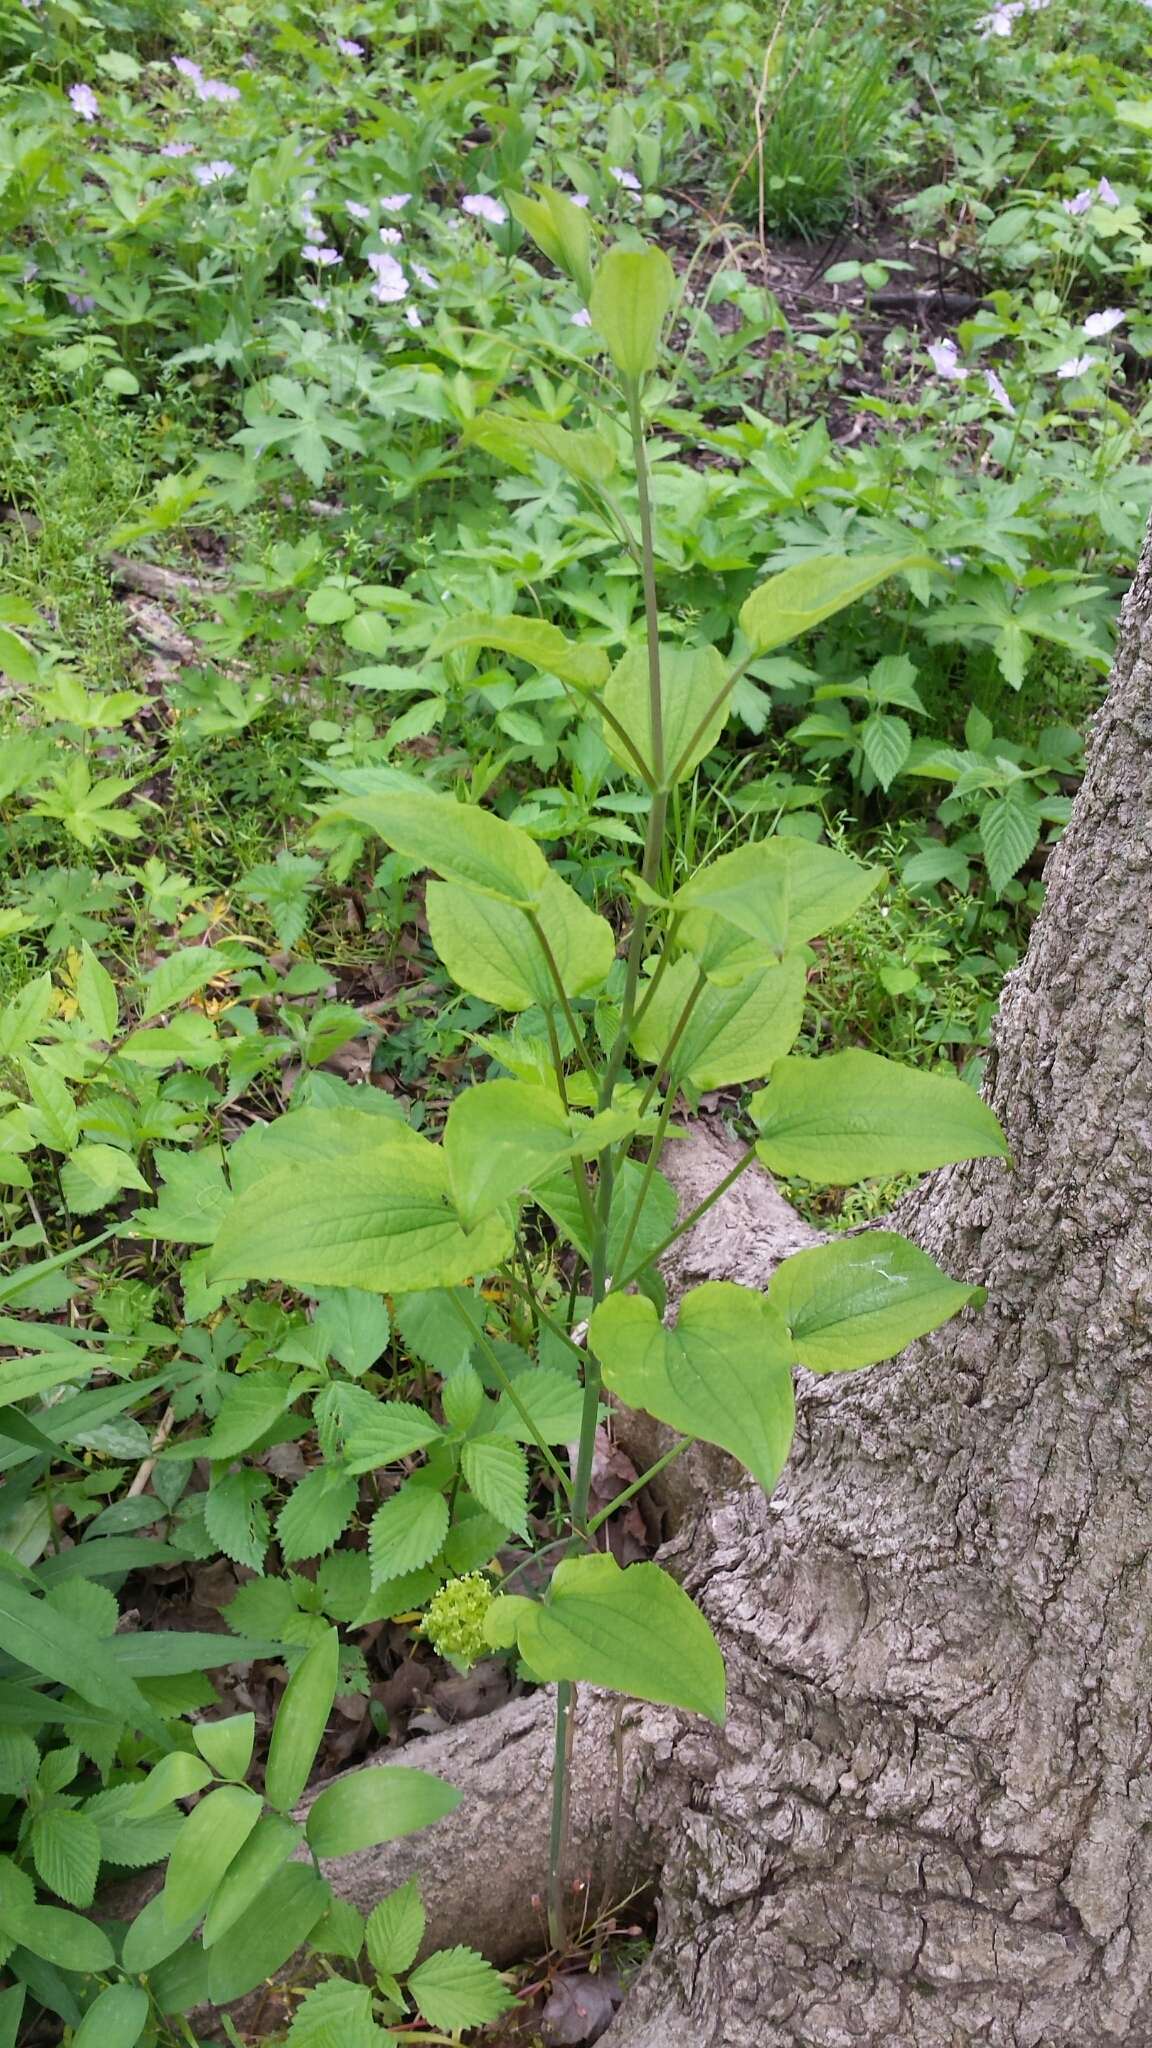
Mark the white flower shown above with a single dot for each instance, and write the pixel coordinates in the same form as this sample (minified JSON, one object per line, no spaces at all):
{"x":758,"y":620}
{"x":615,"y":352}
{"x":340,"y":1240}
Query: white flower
{"x":1076,"y":366}
{"x":944,"y":361}
{"x":177,"y":149}
{"x":357,"y":211}
{"x":215,"y":172}
{"x":391,"y":284}
{"x":581,"y":319}
{"x":627,"y":179}
{"x":581,"y":198}
{"x":392,"y":202}
{"x":390,"y":236}
{"x":998,"y":392}
{"x":425,"y":277}
{"x":412,"y":317}
{"x":482,"y":206}
{"x":216,"y":89}
{"x":1103,"y":323}
{"x":1080,"y":204}
{"x":84,"y":102}
{"x":1105,"y":193}
{"x":999,"y":21}
{"x":325,"y":257}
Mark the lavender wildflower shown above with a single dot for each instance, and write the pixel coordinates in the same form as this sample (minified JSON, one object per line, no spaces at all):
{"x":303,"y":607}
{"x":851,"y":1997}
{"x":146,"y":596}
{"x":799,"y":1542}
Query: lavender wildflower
{"x":1076,"y":366}
{"x":999,"y":393}
{"x":581,"y":319}
{"x":391,"y":284}
{"x":325,"y":257}
{"x":357,"y":211}
{"x":392,"y":202}
{"x":1106,"y":193}
{"x":214,"y":173}
{"x":216,"y":89}
{"x":177,"y":149}
{"x":1103,"y":323}
{"x":84,"y":102}
{"x":627,"y":179}
{"x":482,"y":206}
{"x":1080,"y":204}
{"x":945,"y":361}
{"x":348,"y":47}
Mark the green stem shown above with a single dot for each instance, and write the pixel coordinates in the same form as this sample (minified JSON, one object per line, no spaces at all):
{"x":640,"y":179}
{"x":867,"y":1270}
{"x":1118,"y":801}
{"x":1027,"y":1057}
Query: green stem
{"x":638,"y":1485}
{"x":558,"y":983}
{"x":648,"y":573}
{"x":653,"y":1257}
{"x":646,"y":1177}
{"x":721,"y":698}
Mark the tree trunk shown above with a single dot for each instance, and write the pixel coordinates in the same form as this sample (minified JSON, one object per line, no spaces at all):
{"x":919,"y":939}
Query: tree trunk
{"x":928,"y":1820}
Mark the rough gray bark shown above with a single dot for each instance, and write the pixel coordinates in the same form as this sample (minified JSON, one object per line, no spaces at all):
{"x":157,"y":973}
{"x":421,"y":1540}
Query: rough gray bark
{"x":928,"y":1820}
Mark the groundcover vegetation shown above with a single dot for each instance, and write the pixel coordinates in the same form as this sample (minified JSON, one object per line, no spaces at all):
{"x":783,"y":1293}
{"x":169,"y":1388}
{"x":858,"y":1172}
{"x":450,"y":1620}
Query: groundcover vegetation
{"x":554,"y":568}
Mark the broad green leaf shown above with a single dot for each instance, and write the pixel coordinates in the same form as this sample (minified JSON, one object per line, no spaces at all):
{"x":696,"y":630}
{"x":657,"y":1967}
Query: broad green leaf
{"x":515,"y":435}
{"x":340,"y":1932}
{"x":20,"y":1019}
{"x":59,"y":1937}
{"x":775,"y":894}
{"x":657,"y":1217}
{"x":461,"y":842}
{"x":692,"y":679}
{"x":58,"y":1648}
{"x":531,"y":640}
{"x":95,"y":1175}
{"x":66,"y":1852}
{"x":235,"y":1515}
{"x":376,"y":1805}
{"x":335,"y":2014}
{"x":632,"y":292}
{"x":395,"y":1929}
{"x":863,"y":1298}
{"x":733,"y":1033}
{"x":177,"y":1776}
{"x":724,"y":1373}
{"x":491,"y":949}
{"x":192,"y":1200}
{"x":801,"y":597}
{"x":268,"y":1933}
{"x":316,"y":1513}
{"x":164,"y":1653}
{"x":212,"y":1835}
{"x":497,"y":1473}
{"x":226,"y":1745}
{"x":301,"y":1719}
{"x":152,"y":1937}
{"x":181,"y":975}
{"x":115,"y":2019}
{"x":272,"y":1841}
{"x":11,"y":2014}
{"x":56,"y":1122}
{"x":559,"y":228}
{"x":500,"y":1138}
{"x":1009,"y":829}
{"x":853,"y":1115}
{"x":634,"y":1630}
{"x":126,"y":1841}
{"x":394,"y":1430}
{"x":407,"y":1531}
{"x":456,"y":1988}
{"x":380,"y":1222}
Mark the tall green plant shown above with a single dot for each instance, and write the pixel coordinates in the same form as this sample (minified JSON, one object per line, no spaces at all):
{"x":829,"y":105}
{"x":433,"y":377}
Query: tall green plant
{"x":710,"y":992}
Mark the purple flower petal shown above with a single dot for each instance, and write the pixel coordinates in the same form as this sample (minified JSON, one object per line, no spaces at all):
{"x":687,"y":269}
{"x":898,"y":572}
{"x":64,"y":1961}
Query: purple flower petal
{"x":1080,"y":204}
{"x":1076,"y":366}
{"x":1106,"y":193}
{"x":1103,"y":323}
{"x":998,"y":392}
{"x":392,"y":202}
{"x":84,"y":102}
{"x":482,"y":206}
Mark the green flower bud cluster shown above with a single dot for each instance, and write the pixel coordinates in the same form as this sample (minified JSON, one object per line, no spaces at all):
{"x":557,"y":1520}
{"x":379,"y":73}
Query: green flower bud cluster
{"x":454,"y":1618}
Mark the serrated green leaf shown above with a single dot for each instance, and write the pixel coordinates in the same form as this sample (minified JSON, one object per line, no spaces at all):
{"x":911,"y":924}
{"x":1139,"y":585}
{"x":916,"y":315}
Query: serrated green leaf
{"x":860,"y":1299}
{"x":376,"y":1805}
{"x":456,"y":1988}
{"x":497,"y":1473}
{"x":724,"y":1373}
{"x":316,"y":1513}
{"x":355,"y":1326}
{"x":95,"y":1175}
{"x":236,"y":1518}
{"x":335,"y":2015}
{"x":886,"y":742}
{"x":192,"y":1200}
{"x":553,"y":1401}
{"x":395,"y":1929}
{"x":55,"y":1118}
{"x":1009,"y":829}
{"x":300,"y":1722}
{"x":853,"y":1114}
{"x":181,"y":975}
{"x":249,"y":1407}
{"x":66,"y":1852}
{"x":633,"y":1630}
{"x":407,"y":1531}
{"x":393,"y":1430}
